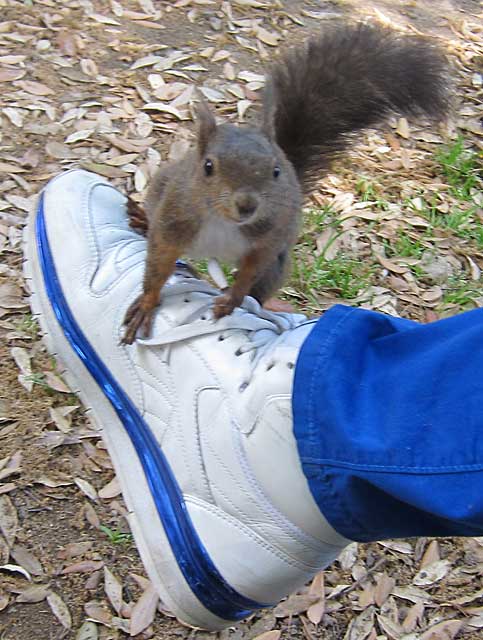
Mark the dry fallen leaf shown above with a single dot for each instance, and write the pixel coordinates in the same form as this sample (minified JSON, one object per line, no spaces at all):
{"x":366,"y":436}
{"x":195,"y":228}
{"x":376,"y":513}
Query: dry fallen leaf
{"x":445,"y":630}
{"x":55,"y":382}
{"x":35,"y":593}
{"x":267,"y":37}
{"x":403,"y":128}
{"x":361,"y":626}
{"x":390,"y":627}
{"x":413,"y":616}
{"x":8,"y":519}
{"x":98,"y":613}
{"x":110,"y":490}
{"x":8,"y":75}
{"x":83,"y":566}
{"x":144,"y":610}
{"x":22,"y":360}
{"x":87,"y":631}
{"x":294,"y":605}
{"x":113,"y":589}
{"x":15,"y":568}
{"x":91,"y":516}
{"x":384,"y":587}
{"x":413,"y":594}
{"x":315,"y":612}
{"x":27,"y":560}
{"x":269,"y":635}
{"x":37,"y":88}
{"x":431,"y":554}
{"x":432,"y":573}
{"x":4,"y":550}
{"x":86,"y":488}
{"x":59,"y":609}
{"x":73,"y":549}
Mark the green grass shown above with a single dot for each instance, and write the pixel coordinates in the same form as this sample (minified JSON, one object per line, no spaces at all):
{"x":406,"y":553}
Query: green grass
{"x":39,"y":379}
{"x":368,"y":192}
{"x":28,"y":325}
{"x":404,"y":246}
{"x":317,"y":220}
{"x":342,"y":275}
{"x":460,"y":167}
{"x":462,"y":292}
{"x":201,"y":266}
{"x":464,"y":223}
{"x":115,"y":536}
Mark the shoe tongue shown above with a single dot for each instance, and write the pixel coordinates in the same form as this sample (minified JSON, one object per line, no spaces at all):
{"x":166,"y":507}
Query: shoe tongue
{"x":216,"y":273}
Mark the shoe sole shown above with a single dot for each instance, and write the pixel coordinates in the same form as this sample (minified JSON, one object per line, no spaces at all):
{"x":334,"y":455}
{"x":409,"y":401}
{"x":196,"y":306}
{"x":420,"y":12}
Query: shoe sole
{"x":153,"y":545}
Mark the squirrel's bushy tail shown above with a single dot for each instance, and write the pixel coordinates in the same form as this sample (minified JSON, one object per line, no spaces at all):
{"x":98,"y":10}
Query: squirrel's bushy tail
{"x":349,"y":78}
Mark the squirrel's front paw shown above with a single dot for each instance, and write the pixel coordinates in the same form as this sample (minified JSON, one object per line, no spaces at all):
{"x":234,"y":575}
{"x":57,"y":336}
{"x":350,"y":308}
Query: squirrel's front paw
{"x":137,"y":217}
{"x":225,"y":304}
{"x":137,"y":316}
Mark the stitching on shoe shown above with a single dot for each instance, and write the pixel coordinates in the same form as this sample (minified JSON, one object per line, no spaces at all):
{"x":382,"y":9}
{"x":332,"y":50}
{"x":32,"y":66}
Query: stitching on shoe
{"x":289,"y":528}
{"x":234,"y":410}
{"x":259,"y":500}
{"x":165,"y":391}
{"x":251,"y":533}
{"x":164,"y":425}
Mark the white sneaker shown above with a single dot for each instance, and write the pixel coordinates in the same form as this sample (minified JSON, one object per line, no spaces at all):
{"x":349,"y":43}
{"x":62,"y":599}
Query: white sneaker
{"x":197,"y":419}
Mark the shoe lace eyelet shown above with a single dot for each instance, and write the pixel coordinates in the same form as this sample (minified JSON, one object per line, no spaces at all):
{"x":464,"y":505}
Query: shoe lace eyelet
{"x":221,"y":338}
{"x":238,"y":352}
{"x":242,"y":387}
{"x":290,"y":365}
{"x":203,"y":317}
{"x":270,"y":366}
{"x":186,"y":299}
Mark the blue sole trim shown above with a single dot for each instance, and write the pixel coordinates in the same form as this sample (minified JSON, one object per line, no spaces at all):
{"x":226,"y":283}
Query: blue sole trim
{"x":204,"y":579}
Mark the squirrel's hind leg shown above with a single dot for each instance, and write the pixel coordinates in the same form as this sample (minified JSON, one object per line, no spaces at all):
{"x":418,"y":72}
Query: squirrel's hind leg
{"x":271,"y":278}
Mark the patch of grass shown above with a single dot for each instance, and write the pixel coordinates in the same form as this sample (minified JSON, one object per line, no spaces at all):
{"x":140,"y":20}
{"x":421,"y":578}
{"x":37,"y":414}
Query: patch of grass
{"x":343,"y":275}
{"x":39,"y":379}
{"x":28,"y":325}
{"x":404,"y":246}
{"x":115,"y":536}
{"x":369,"y":193}
{"x":201,"y":266}
{"x":462,"y":292}
{"x":460,"y":166}
{"x":462,"y":222}
{"x":417,"y":271}
{"x":317,"y":220}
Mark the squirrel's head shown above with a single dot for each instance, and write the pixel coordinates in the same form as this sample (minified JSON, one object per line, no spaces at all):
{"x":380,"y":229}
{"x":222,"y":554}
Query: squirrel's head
{"x":245,"y":176}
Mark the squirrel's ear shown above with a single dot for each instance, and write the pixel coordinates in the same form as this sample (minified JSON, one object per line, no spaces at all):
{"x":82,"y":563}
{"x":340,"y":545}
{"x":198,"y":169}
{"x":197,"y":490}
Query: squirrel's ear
{"x":206,"y":124}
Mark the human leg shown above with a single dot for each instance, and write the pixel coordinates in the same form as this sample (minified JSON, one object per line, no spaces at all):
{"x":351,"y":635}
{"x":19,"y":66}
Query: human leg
{"x":388,"y":419}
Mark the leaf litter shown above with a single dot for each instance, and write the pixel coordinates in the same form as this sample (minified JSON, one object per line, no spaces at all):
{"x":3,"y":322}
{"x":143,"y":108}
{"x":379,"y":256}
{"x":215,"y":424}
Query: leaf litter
{"x":109,"y":87}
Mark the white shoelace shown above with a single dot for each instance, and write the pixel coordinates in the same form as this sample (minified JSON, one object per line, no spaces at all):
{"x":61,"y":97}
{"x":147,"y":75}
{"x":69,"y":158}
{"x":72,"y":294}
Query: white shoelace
{"x":262,"y":328}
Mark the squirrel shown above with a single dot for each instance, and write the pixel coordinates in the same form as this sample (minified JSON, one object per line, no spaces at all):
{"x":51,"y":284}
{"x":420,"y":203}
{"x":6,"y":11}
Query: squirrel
{"x":237,"y":196}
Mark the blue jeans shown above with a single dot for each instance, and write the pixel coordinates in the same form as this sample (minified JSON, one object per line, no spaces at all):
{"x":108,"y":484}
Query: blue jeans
{"x":388,"y":416}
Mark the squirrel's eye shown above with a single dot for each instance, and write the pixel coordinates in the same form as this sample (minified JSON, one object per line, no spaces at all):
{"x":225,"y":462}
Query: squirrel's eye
{"x":208,"y":167}
{"x":276,"y":172}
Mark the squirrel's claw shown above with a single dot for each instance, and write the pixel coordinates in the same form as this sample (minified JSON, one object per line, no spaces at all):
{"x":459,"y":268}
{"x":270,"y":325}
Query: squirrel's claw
{"x":137,"y":316}
{"x":225,"y":304}
{"x":137,"y":217}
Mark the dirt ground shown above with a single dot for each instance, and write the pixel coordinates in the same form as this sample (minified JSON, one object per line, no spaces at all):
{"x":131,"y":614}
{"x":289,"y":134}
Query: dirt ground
{"x":107,"y":85}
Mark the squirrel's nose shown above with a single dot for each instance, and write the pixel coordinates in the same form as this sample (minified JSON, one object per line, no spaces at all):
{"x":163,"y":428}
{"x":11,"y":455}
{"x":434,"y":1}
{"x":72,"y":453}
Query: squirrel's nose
{"x":246,"y":203}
